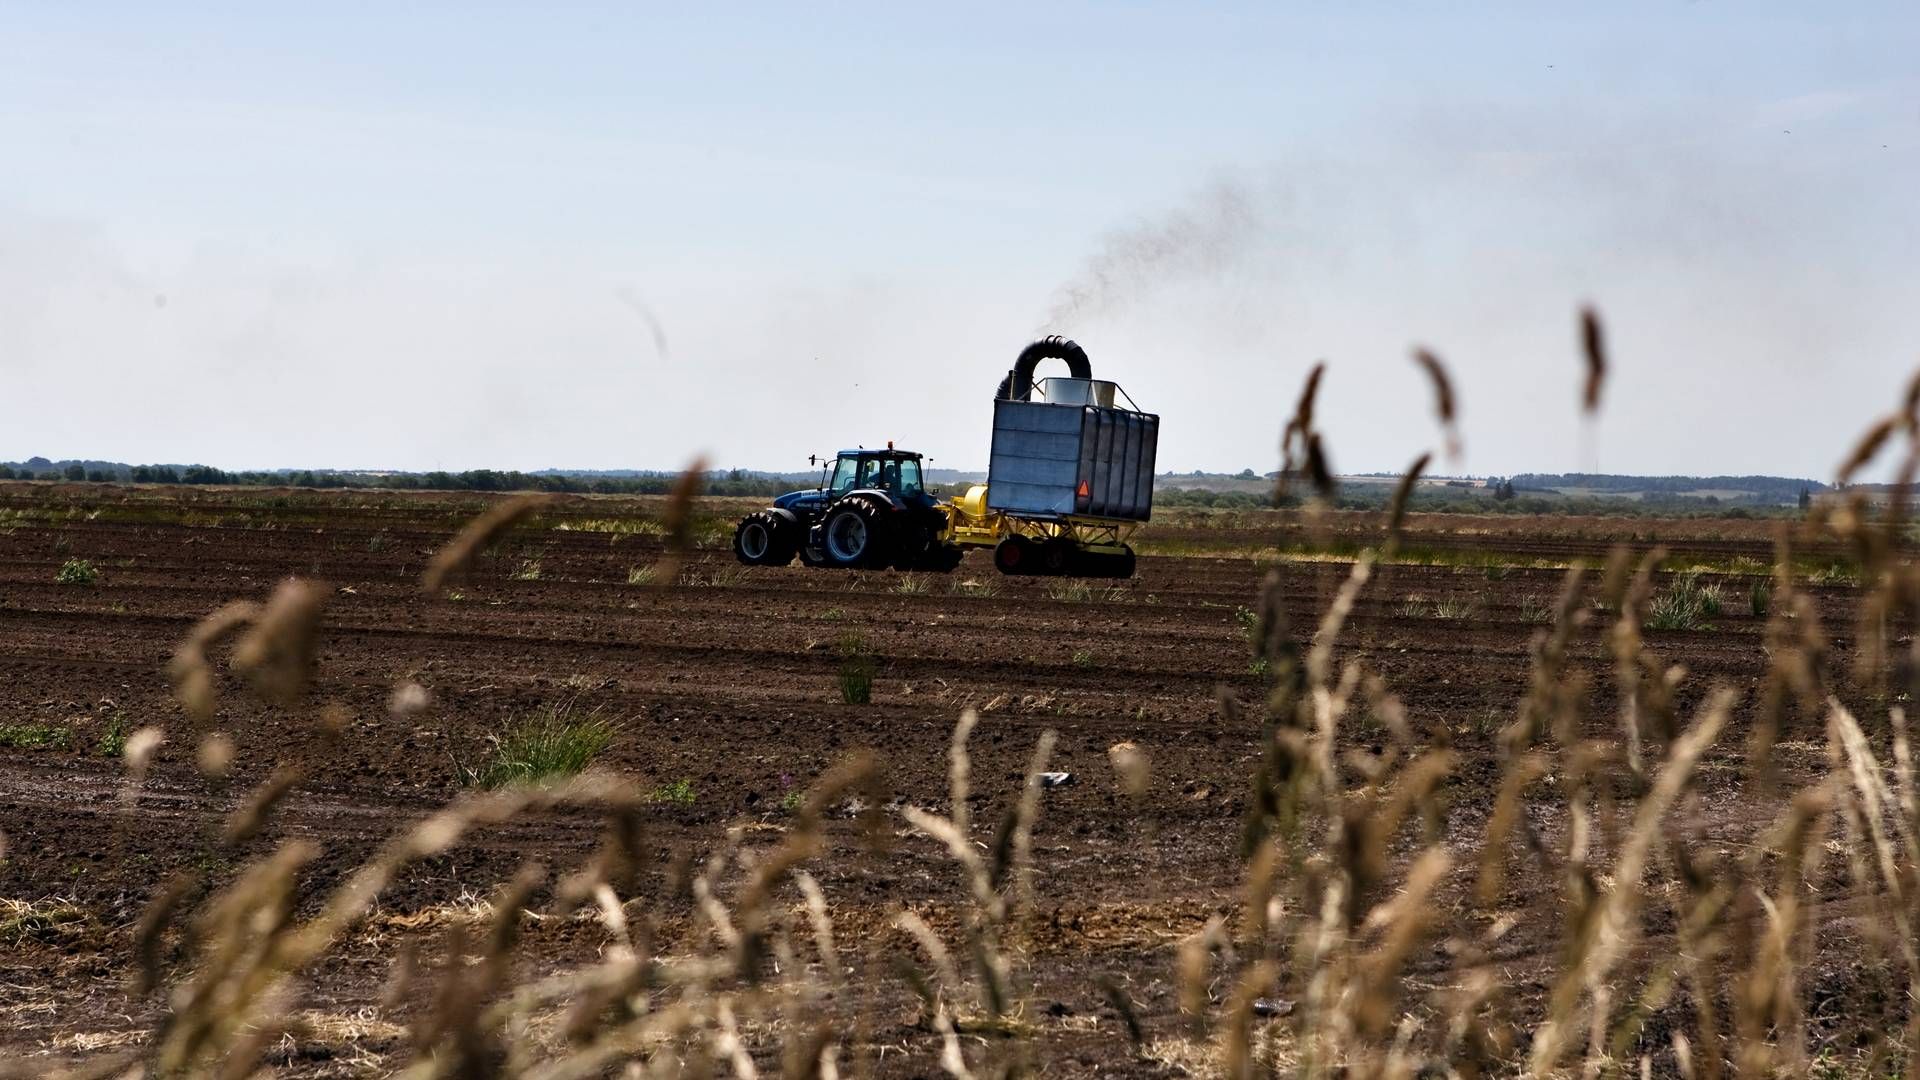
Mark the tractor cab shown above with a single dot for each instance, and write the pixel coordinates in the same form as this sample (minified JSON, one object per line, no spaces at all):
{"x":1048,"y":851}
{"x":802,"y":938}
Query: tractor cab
{"x":894,"y":471}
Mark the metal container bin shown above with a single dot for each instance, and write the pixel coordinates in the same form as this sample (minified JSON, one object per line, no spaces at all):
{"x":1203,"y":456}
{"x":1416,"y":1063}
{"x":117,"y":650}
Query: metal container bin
{"x":1067,"y":457}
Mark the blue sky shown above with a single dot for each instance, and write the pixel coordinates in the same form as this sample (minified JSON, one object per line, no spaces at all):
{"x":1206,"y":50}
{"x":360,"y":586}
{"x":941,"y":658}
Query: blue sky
{"x":445,"y":236}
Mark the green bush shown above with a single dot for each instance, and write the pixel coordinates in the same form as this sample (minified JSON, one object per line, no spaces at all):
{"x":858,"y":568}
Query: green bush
{"x":77,"y":572}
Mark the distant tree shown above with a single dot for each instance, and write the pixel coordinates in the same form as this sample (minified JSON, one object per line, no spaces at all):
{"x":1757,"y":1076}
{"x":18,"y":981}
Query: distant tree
{"x":97,"y":476}
{"x":38,"y":463}
{"x":1245,"y":474}
{"x":76,"y":471}
{"x":306,"y":479}
{"x":6,"y":472}
{"x":1806,"y":499}
{"x":1503,"y":490}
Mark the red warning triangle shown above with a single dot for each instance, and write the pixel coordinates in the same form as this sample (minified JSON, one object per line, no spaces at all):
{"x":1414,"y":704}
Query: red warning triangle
{"x":1083,"y":489}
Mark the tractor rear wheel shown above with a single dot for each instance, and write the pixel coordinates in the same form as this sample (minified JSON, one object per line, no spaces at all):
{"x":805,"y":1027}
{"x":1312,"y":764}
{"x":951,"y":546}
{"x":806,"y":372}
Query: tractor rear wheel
{"x":854,"y":535}
{"x":1015,"y":556}
{"x":764,"y":538}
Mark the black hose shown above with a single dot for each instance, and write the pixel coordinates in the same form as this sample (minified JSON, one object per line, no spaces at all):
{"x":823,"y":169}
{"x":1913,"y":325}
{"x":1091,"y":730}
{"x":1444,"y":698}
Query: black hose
{"x":1018,"y":385}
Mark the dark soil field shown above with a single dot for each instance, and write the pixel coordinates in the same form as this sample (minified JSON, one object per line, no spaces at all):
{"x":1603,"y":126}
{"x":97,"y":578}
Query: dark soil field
{"x":724,"y":693}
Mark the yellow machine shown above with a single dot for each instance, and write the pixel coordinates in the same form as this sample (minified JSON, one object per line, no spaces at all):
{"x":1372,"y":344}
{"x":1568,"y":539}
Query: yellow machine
{"x":1089,"y":547}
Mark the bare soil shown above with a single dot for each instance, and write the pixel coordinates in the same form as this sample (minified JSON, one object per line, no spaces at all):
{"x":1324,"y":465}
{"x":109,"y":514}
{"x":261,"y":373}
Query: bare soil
{"x":727,"y":687}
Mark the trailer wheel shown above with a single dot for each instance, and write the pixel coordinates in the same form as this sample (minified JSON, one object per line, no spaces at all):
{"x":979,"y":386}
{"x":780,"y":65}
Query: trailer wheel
{"x":1105,"y":564}
{"x":855,"y":535}
{"x":764,"y":538}
{"x":1057,"y":557}
{"x":1014,"y":556}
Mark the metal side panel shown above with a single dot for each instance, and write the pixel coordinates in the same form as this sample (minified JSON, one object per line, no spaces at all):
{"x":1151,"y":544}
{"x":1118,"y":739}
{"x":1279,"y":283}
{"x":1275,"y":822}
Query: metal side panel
{"x":1149,"y":449}
{"x":1035,"y":459}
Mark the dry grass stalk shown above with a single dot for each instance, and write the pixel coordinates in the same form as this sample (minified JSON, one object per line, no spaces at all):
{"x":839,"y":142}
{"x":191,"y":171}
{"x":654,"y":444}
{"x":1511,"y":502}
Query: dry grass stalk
{"x":1402,"y":492}
{"x":1867,"y":448}
{"x":191,"y":671}
{"x":452,"y":562}
{"x":677,"y":520}
{"x":1594,"y":347}
{"x":1443,"y":401}
{"x":276,"y":651}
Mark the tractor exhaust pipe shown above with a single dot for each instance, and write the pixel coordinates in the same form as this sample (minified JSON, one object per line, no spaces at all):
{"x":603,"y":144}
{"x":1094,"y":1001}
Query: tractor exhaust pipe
{"x":1018,"y":385}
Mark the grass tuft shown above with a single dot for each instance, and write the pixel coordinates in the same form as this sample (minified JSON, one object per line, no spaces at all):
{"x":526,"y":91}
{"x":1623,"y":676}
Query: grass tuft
{"x":42,"y":921}
{"x":556,"y":742}
{"x":1081,"y":591}
{"x":1685,"y":604}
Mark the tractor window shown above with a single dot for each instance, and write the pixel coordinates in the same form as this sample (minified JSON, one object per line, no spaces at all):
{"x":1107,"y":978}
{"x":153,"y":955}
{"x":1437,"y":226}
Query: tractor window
{"x":905,"y":476}
{"x":843,"y":474}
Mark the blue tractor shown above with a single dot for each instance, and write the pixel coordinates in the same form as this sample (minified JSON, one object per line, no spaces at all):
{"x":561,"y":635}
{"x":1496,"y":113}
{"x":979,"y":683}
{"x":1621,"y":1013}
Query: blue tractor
{"x":871,"y":510}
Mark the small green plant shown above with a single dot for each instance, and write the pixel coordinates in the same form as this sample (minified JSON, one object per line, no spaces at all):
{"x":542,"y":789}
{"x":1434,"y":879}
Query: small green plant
{"x":528,"y":570}
{"x":856,"y":671}
{"x":911,"y":585}
{"x":35,"y":736}
{"x":985,"y":587}
{"x":1685,"y":604}
{"x":833,"y":614}
{"x":1249,"y":622}
{"x":793,"y":802}
{"x":680,"y":792}
{"x":1452,"y":607}
{"x":77,"y":572}
{"x":1760,"y":597}
{"x":1082,"y":658}
{"x":113,"y":741}
{"x":640,"y":575}
{"x":556,"y":741}
{"x":379,"y":542}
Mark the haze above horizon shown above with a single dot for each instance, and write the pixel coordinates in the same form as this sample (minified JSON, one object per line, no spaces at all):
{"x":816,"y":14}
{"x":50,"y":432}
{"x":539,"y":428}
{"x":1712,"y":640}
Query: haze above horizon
{"x":598,"y":236}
